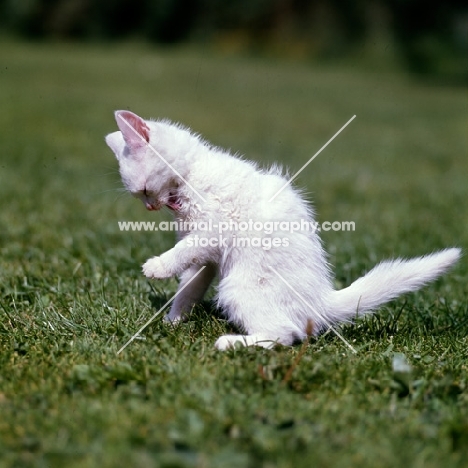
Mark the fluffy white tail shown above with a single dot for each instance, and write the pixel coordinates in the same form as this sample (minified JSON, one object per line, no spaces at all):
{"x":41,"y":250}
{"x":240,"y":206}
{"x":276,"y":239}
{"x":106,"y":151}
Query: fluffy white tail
{"x":388,"y":280}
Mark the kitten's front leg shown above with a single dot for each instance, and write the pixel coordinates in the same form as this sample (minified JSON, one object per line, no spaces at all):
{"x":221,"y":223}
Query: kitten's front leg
{"x":155,"y":268}
{"x":182,"y":256}
{"x":192,"y":287}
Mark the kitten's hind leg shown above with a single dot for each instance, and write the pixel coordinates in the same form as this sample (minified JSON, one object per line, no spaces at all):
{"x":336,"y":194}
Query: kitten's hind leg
{"x":192,"y":293}
{"x":258,"y":304}
{"x":229,"y":341}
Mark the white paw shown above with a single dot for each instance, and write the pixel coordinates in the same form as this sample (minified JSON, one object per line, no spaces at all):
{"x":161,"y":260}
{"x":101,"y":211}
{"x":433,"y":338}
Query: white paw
{"x":225,"y":342}
{"x":154,"y":268}
{"x":172,"y":320}
{"x":229,"y":341}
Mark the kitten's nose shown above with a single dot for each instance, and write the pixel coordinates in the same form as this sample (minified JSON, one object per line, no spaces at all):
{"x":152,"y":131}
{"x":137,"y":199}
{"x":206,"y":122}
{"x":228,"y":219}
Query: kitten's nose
{"x":150,"y":207}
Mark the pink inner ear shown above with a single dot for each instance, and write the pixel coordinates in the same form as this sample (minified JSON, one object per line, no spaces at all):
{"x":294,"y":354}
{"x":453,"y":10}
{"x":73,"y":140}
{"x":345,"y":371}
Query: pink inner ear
{"x":134,"y":129}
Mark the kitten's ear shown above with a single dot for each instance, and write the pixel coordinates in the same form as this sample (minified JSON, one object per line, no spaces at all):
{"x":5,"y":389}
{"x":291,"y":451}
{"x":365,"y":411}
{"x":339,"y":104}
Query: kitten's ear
{"x":116,"y":143}
{"x":134,"y":129}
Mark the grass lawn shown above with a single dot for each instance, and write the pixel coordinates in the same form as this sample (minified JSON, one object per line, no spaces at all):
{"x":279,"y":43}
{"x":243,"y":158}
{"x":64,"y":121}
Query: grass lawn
{"x":72,"y":292}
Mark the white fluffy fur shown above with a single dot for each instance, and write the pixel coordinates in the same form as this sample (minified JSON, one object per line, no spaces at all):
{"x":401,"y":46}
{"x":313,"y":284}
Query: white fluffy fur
{"x":271,"y":294}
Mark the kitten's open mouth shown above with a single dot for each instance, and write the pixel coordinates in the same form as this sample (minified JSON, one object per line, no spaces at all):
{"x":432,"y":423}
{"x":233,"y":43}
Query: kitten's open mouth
{"x":173,"y":203}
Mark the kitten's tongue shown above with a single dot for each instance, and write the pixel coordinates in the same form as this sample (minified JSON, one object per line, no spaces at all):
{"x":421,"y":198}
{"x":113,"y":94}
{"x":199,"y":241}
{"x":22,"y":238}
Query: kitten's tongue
{"x":173,"y":203}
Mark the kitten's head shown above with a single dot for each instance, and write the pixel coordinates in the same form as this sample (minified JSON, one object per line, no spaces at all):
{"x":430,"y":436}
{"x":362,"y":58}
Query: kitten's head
{"x":151,"y":158}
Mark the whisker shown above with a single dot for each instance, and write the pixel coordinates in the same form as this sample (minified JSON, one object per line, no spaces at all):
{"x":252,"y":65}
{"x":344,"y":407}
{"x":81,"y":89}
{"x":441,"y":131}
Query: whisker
{"x":119,"y":190}
{"x":120,"y":195}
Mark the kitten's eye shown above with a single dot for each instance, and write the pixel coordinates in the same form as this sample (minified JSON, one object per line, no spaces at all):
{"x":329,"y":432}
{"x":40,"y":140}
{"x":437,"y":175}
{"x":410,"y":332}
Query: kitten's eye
{"x":138,"y":194}
{"x":145,"y":193}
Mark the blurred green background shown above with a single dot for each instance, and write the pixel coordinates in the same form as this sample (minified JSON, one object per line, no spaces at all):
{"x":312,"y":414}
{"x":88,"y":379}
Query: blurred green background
{"x":428,"y":38}
{"x":272,"y":81}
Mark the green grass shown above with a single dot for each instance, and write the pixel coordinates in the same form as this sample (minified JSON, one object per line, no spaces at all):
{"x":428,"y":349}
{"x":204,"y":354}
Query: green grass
{"x":71,"y":290}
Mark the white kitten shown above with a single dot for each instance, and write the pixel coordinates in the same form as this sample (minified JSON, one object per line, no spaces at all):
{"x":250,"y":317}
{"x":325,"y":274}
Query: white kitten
{"x":271,"y":293}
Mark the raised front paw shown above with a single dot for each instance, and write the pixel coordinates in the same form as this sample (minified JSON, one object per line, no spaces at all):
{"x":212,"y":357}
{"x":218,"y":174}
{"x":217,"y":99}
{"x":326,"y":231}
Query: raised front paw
{"x":154,"y":268}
